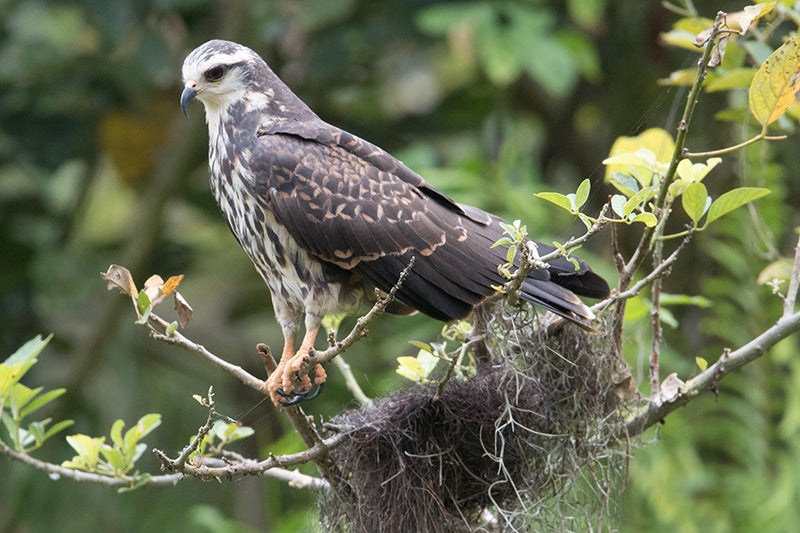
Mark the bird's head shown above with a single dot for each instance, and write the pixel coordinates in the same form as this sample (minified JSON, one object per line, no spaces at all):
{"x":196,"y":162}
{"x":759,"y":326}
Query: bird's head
{"x":218,"y":73}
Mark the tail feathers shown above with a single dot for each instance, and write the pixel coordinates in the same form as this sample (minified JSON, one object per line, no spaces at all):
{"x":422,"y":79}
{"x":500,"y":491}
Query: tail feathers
{"x":559,"y":300}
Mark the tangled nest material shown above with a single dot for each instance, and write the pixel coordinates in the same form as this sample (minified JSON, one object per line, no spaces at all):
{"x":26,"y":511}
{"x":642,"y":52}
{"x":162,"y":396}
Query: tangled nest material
{"x":530,"y":443}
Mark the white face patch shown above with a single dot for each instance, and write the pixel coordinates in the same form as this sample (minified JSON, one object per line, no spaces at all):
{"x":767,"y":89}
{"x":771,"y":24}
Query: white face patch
{"x":217,"y":95}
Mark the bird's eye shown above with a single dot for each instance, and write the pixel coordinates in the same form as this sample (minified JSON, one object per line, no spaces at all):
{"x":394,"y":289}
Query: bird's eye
{"x":215,"y":73}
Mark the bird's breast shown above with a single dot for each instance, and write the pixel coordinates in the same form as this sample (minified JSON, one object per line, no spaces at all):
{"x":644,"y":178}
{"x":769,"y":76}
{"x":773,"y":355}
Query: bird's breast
{"x":293,"y":275}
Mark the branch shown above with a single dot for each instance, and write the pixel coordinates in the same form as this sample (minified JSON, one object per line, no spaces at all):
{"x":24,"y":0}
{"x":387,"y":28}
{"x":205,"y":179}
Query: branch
{"x":212,"y":469}
{"x":177,"y":339}
{"x":645,"y":243}
{"x":318,"y":450}
{"x":57,"y":471}
{"x":709,"y":378}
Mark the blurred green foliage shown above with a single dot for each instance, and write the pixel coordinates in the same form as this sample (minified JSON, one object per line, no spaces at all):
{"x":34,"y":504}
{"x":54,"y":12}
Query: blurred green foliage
{"x":490,"y":101}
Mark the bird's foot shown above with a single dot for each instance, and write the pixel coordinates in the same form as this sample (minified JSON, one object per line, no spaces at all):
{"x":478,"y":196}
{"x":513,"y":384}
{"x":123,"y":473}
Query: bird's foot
{"x":286,"y":386}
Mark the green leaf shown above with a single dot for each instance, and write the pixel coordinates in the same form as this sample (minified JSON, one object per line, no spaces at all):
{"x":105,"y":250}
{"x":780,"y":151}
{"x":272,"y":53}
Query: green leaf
{"x":511,"y":254}
{"x":684,"y":299}
{"x":422,"y":346}
{"x":58,"y":426}
{"x":115,"y":458}
{"x":19,"y":396}
{"x":697,"y":171}
{"x":26,"y":354}
{"x":142,"y":302}
{"x":732,"y":199}
{"x":18,"y":363}
{"x":736,"y":78}
{"x":556,"y":198}
{"x":116,"y":432}
{"x":36,"y":430}
{"x":502,"y":241}
{"x":642,"y":196}
{"x":410,"y":368}
{"x":702,"y":363}
{"x":776,"y":82}
{"x":624,"y":183}
{"x":41,"y":401}
{"x":694,"y":201}
{"x":238,"y":432}
{"x":582,"y":194}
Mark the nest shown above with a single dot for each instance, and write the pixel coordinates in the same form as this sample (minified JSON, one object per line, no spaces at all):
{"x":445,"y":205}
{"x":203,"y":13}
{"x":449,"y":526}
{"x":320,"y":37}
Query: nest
{"x":529,"y":444}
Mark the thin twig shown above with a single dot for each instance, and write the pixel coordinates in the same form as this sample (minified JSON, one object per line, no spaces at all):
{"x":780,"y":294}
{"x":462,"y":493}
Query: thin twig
{"x":531,"y":261}
{"x":177,"y":339}
{"x":660,"y":270}
{"x":748,"y":142}
{"x":794,"y":283}
{"x":178,"y":462}
{"x":359,"y":330}
{"x":351,"y":382}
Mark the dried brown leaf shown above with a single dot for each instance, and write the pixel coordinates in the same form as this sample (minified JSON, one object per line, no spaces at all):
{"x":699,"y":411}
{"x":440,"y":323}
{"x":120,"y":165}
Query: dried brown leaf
{"x":183,"y":309}
{"x":625,"y":389}
{"x":703,"y":37}
{"x":120,"y":278}
{"x":671,"y":387}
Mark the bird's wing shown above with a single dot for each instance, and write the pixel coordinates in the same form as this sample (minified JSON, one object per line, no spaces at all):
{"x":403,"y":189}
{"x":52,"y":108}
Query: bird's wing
{"x":349,"y":203}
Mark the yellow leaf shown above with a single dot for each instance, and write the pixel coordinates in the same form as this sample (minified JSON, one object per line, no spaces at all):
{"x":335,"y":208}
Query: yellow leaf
{"x":742,"y":20}
{"x":171,"y":284}
{"x":656,"y":140}
{"x":776,"y":82}
{"x":702,"y":363}
{"x":780,"y":270}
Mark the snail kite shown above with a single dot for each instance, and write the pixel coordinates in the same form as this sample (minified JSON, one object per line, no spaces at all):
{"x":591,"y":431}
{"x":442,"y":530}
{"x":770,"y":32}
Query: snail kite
{"x":327,"y":217}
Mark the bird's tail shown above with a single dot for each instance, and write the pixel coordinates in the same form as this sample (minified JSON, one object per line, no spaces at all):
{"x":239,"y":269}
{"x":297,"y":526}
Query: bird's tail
{"x":559,"y":300}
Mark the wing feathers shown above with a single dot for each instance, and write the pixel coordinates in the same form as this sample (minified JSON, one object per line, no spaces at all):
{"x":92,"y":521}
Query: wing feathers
{"x":364,"y":211}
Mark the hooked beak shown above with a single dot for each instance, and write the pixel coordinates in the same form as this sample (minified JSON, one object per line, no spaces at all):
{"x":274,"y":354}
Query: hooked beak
{"x":187,"y":96}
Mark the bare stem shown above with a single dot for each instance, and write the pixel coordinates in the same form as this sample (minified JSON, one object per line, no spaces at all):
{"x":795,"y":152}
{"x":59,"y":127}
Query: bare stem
{"x":760,"y":137}
{"x":352,"y":383}
{"x":794,"y":283}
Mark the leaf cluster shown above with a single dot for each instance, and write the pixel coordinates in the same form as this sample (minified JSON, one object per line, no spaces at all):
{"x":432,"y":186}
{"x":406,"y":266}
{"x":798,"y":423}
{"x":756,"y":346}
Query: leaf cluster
{"x":18,"y":401}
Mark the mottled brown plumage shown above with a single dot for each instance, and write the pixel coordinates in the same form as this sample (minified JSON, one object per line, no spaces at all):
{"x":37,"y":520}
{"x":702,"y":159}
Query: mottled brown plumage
{"x":326,"y":216}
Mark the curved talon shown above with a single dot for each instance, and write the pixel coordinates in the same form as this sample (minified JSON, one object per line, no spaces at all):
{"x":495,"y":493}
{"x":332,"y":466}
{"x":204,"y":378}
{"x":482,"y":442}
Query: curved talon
{"x":295,"y":401}
{"x":311,"y":395}
{"x":292,"y":394}
{"x":295,"y":398}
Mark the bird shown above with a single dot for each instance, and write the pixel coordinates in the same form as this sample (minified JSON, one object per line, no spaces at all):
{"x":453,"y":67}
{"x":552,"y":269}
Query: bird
{"x":327,"y":217}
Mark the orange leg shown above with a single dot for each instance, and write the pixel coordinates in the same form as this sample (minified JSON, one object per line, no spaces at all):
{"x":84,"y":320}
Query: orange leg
{"x":286,"y":374}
